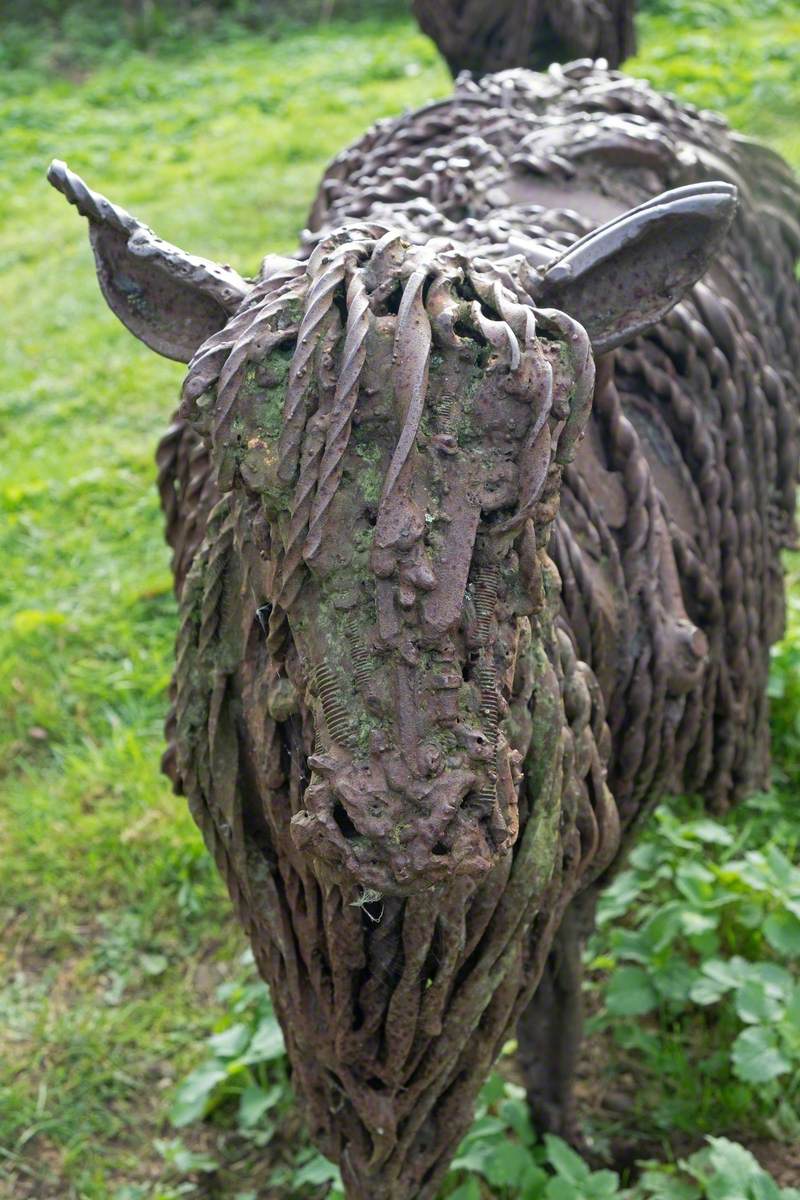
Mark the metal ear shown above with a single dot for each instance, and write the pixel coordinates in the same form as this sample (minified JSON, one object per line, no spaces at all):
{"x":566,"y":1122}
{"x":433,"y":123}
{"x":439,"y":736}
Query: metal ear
{"x":625,"y":276}
{"x":171,"y":300}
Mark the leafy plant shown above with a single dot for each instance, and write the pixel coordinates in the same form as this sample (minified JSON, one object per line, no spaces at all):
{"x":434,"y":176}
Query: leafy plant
{"x":723,"y":1170}
{"x":700,"y":922}
{"x":245,"y":1062}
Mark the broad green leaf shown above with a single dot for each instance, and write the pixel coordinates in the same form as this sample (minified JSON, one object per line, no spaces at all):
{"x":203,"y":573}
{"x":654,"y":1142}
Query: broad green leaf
{"x":782,"y":931}
{"x":658,"y":1186}
{"x":705,"y":945}
{"x":782,"y":869}
{"x":570,"y":1166}
{"x":674,"y":980}
{"x":562,"y":1189}
{"x":662,"y":928}
{"x":494,"y":1089}
{"x":737,"y":1173}
{"x":757,"y":1057}
{"x":630,"y":993}
{"x":784,"y":1124}
{"x":645,"y":857}
{"x":765,"y":1188}
{"x":471,"y":1190}
{"x":791,"y":1018}
{"x":731,"y":1159}
{"x":516,"y":1115}
{"x":601,"y":962}
{"x":696,"y":882}
{"x":485,"y":1127}
{"x":619,"y":897}
{"x":705,"y":830}
{"x":255,"y":1101}
{"x":695,"y":923}
{"x":603,"y":1184}
{"x":756,"y":1004}
{"x":749,"y":913}
{"x":776,"y":979}
{"x":316,"y":1171}
{"x":230,"y":1042}
{"x":266,"y":1043}
{"x":194,"y":1093}
{"x":476,"y":1157}
{"x":629,"y":944}
{"x":718,"y":977}
{"x":511,"y":1166}
{"x":706,"y":991}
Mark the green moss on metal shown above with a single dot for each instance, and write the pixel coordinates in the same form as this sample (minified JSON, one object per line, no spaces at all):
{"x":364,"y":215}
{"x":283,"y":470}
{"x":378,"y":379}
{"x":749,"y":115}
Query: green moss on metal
{"x":270,"y":409}
{"x":370,"y":479}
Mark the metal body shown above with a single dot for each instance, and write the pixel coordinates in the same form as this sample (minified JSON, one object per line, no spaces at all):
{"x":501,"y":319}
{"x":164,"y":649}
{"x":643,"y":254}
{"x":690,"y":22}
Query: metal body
{"x":476,"y":507}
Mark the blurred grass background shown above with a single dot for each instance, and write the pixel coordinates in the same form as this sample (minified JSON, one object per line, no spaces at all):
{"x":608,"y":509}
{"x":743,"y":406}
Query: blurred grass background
{"x":213,"y":127}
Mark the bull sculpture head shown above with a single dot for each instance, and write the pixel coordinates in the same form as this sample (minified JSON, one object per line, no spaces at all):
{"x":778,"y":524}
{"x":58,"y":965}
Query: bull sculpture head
{"x":395,"y":418}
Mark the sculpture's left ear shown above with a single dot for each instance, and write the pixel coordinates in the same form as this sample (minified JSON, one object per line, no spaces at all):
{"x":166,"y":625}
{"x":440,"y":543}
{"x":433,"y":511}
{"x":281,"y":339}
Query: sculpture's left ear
{"x":626,"y":275}
{"x":170,"y":300}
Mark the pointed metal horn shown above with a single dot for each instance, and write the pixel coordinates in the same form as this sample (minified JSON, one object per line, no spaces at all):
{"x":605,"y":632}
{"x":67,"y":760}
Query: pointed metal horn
{"x":221,"y":283}
{"x":168,"y":298}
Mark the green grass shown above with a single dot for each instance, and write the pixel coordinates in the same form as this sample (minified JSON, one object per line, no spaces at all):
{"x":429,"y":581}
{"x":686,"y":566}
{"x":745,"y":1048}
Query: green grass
{"x":736,"y":56}
{"x":116,"y":931}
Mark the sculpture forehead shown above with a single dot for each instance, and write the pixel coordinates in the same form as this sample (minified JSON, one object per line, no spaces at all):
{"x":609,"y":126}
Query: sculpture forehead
{"x":395,"y":416}
{"x":383,"y":368}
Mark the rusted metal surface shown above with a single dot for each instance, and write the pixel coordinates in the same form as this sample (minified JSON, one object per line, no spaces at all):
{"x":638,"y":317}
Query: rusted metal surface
{"x":482,"y":36}
{"x":476,"y":506}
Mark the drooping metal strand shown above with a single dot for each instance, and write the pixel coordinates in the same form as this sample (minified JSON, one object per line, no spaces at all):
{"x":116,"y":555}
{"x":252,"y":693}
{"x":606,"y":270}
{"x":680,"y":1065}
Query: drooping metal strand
{"x":344,"y":402}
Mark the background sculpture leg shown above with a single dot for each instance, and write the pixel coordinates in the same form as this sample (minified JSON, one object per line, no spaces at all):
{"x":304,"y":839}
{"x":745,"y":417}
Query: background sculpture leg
{"x":550,"y":1029}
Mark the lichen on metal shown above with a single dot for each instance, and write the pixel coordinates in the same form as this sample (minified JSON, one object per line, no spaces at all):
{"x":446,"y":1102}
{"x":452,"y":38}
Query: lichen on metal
{"x":476,"y":505}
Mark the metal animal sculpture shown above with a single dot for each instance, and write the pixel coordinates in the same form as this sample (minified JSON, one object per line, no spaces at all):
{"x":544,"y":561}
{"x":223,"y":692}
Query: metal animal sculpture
{"x":493,"y":35}
{"x":476,"y":505}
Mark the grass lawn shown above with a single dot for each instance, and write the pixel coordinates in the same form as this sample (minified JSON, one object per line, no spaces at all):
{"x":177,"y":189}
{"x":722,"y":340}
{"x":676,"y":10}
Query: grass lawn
{"x":116,"y":931}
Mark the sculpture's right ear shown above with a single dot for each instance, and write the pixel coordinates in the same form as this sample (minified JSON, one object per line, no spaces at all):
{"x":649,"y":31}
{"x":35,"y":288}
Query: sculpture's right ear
{"x":170,"y":300}
{"x":626,"y":275}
